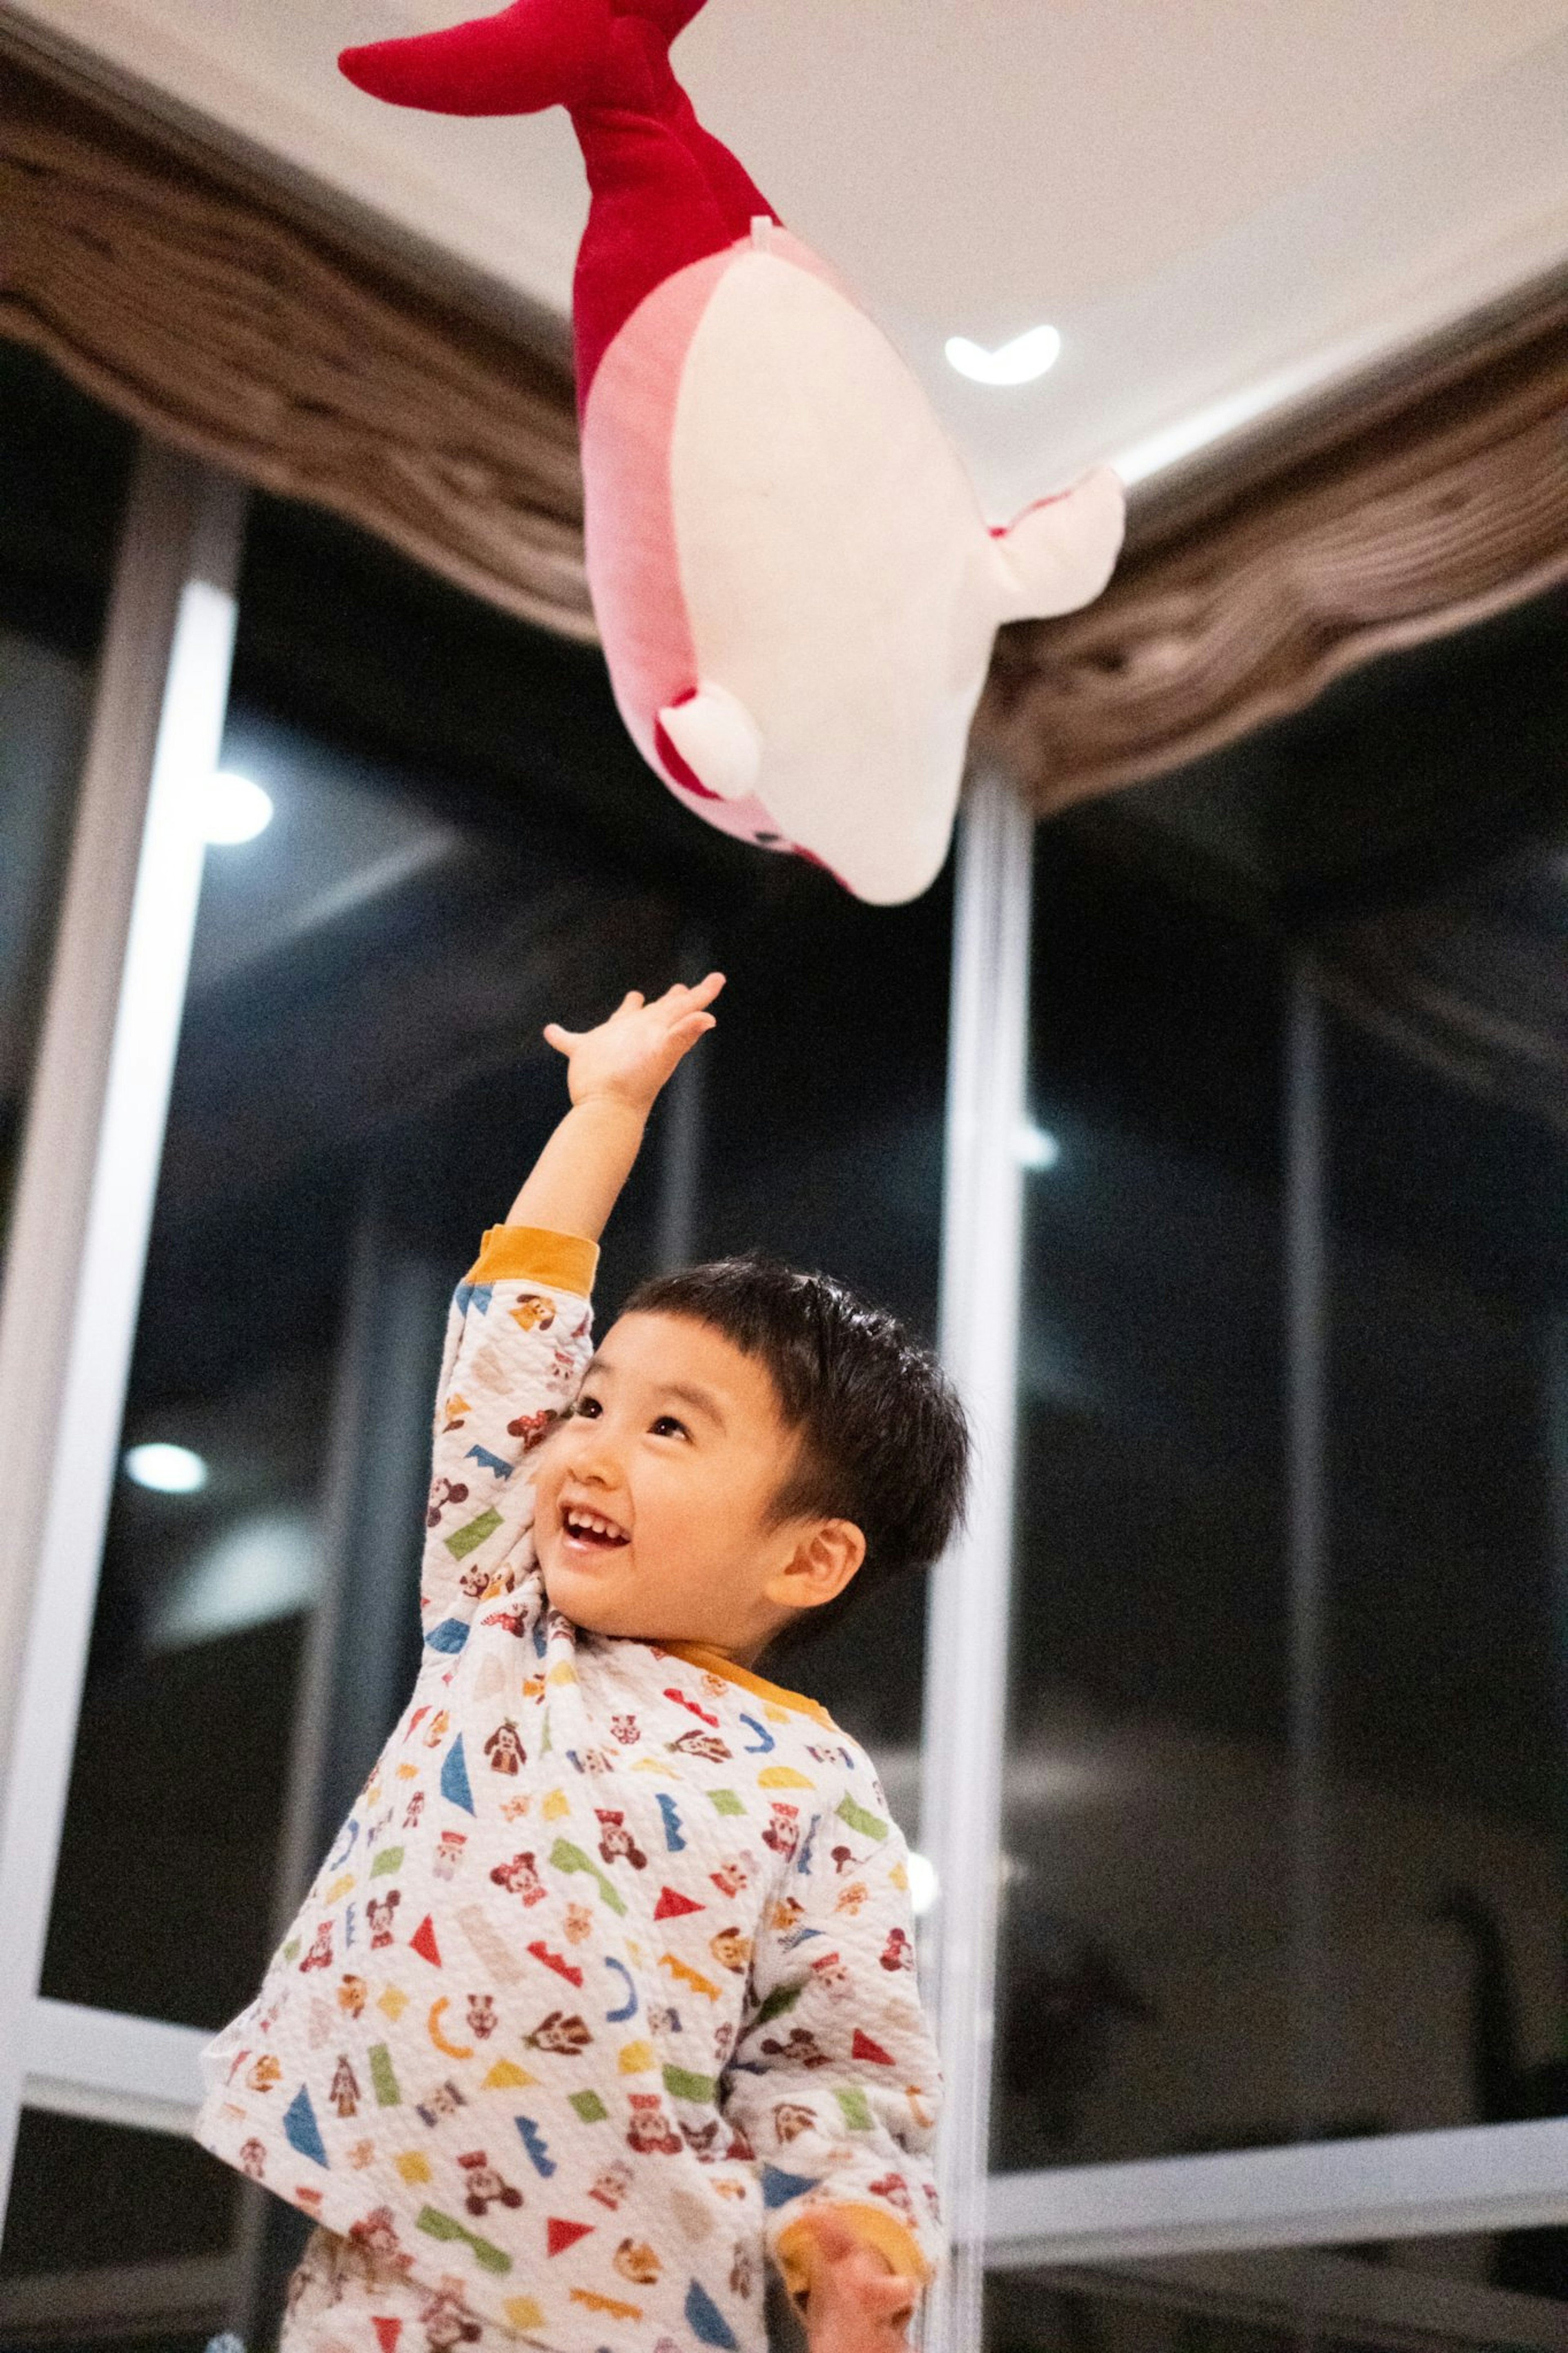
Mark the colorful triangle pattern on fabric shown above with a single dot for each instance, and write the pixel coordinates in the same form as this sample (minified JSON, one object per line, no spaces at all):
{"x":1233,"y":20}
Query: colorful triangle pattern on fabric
{"x":705,"y":2320}
{"x":560,"y":2236}
{"x":506,"y":2075}
{"x":302,"y":2130}
{"x":780,"y":2187}
{"x":455,"y":1777}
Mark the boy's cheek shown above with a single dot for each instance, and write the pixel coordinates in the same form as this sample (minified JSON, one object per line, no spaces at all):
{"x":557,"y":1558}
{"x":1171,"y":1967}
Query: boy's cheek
{"x":544,"y":1467}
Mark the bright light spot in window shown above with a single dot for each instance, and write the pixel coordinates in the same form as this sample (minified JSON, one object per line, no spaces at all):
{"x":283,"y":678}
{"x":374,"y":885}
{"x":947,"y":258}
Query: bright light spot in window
{"x":235,"y":809}
{"x":922,"y":1886}
{"x":1038,"y":1149}
{"x":253,"y":1573}
{"x":167,"y":1470}
{"x":1023,"y":361}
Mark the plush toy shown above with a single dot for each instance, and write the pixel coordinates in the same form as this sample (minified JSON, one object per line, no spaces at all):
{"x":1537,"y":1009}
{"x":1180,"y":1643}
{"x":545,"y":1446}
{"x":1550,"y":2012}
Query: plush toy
{"x":795,"y":588}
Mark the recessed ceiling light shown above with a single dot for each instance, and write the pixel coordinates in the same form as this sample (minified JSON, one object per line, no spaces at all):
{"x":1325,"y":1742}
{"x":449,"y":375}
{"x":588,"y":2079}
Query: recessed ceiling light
{"x":235,"y":809}
{"x":1038,"y":1149}
{"x":1023,"y":361}
{"x":167,"y":1470}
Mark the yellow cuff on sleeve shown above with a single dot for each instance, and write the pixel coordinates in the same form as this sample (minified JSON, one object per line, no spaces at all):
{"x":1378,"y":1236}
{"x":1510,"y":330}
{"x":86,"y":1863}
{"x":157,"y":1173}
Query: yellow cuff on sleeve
{"x":535,"y":1254}
{"x":794,"y":2250}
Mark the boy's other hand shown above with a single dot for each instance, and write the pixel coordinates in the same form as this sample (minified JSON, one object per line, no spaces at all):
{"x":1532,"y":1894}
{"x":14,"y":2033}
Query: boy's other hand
{"x":858,"y":2302}
{"x":629,"y":1057}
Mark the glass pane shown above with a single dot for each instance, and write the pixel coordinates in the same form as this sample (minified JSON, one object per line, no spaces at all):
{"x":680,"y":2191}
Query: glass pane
{"x":824,"y":1120}
{"x":462,"y":847}
{"x":1284,"y":1829}
{"x":1439,"y":1926}
{"x":64,"y":468}
{"x":1440,"y":2294}
{"x":155,"y":2338}
{"x":1146,"y":1788}
{"x":88,"y":2194}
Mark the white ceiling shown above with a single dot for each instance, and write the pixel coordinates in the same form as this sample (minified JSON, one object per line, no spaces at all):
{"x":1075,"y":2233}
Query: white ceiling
{"x":1222,"y":205}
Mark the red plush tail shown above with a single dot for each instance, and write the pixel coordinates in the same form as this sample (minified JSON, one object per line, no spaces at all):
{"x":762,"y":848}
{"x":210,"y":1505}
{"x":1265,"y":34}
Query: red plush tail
{"x":536,"y":54}
{"x":671,"y":16}
{"x":666,"y":193}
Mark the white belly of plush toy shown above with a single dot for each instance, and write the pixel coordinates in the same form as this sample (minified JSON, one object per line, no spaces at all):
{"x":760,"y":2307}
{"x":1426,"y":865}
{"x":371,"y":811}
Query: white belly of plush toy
{"x":796,"y":588}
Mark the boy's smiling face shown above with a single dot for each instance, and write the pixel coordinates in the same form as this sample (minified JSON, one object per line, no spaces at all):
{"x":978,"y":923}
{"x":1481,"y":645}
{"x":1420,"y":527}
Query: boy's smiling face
{"x":653,"y":1495}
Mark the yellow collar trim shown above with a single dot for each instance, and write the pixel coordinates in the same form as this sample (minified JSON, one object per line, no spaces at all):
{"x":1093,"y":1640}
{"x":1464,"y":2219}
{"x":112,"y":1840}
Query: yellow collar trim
{"x":714,"y":1663}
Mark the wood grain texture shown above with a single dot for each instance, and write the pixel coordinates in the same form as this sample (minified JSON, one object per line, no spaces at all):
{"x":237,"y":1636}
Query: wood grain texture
{"x":220,"y":312}
{"x":1450,"y":504}
{"x":162,"y":285}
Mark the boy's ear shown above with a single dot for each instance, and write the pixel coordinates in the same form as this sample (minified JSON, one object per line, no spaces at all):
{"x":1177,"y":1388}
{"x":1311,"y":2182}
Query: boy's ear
{"x":825,"y":1558}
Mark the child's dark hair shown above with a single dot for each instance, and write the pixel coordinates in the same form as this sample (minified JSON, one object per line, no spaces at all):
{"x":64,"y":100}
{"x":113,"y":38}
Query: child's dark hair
{"x":883,"y":1440}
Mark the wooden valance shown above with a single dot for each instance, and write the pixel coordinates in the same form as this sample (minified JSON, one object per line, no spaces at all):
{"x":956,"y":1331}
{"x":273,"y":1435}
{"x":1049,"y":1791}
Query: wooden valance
{"x":216,"y":310}
{"x":165,"y":286}
{"x":1447,"y":503}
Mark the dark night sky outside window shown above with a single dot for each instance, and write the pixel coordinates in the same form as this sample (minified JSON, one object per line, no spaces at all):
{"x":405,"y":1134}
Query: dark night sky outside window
{"x":1447,"y":2295}
{"x":1399,"y":854}
{"x":64,"y":468}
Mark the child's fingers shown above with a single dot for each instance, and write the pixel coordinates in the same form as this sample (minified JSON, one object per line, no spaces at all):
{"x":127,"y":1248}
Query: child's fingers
{"x":631,"y":1000}
{"x":857,"y":2304}
{"x":860,"y":2280}
{"x":684,"y":1033}
{"x":849,"y":2318}
{"x":702,"y":992}
{"x":834,"y":2237}
{"x":562,"y":1039}
{"x":890,"y":2299}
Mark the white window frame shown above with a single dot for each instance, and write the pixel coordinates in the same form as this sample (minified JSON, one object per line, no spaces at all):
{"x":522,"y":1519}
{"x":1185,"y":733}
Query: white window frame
{"x":83,"y":1209}
{"x":966,"y":1655}
{"x":68,"y":1313}
{"x":1406,"y":2185}
{"x":1323,"y":2193}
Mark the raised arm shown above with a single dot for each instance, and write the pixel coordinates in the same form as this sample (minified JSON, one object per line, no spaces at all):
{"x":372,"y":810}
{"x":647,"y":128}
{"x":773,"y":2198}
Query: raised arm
{"x":614,"y":1076}
{"x":520,"y":1330}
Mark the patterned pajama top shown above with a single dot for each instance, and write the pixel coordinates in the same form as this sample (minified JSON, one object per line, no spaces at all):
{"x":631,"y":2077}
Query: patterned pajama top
{"x":608,"y":1977}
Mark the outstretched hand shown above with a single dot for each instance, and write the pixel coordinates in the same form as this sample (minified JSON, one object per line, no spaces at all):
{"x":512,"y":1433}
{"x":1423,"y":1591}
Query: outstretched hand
{"x":858,"y":2302}
{"x":629,"y":1058}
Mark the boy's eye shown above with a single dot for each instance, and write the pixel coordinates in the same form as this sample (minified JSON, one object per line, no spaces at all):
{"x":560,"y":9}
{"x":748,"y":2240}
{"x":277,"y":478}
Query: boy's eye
{"x":586,"y":1409}
{"x":665,"y":1422}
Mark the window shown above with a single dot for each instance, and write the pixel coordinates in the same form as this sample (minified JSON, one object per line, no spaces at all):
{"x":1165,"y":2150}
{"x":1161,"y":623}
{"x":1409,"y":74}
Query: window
{"x":111,"y":2217}
{"x":1272,"y":1177}
{"x":64,"y":466}
{"x":1147,"y":1897}
{"x":457,"y":846}
{"x":1504,"y":2288}
{"x":1285,"y":1775}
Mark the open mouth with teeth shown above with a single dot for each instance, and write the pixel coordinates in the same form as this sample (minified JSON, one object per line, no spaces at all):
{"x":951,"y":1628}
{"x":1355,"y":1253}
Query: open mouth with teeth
{"x":591,"y":1531}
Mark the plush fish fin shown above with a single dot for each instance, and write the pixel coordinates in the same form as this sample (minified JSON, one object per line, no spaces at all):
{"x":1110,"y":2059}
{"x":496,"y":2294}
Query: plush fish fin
{"x":1060,"y":553}
{"x":519,"y":61}
{"x":719,"y":740}
{"x":534,"y":54}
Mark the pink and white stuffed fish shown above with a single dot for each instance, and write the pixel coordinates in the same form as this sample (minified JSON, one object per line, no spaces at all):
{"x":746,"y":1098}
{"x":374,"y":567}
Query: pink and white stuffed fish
{"x":796,"y":590}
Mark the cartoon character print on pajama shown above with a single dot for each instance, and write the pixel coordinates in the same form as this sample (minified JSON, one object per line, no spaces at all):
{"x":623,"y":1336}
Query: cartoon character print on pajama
{"x":609,"y":1975}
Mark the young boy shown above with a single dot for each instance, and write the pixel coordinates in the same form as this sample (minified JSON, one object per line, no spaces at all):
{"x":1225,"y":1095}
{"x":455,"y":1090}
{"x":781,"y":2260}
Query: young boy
{"x":606,"y":1984}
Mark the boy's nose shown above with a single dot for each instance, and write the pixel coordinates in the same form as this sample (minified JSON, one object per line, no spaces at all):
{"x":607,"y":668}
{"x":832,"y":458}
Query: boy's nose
{"x":590,"y":1460}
